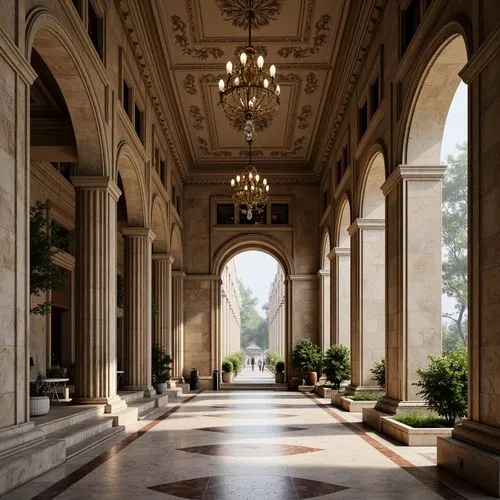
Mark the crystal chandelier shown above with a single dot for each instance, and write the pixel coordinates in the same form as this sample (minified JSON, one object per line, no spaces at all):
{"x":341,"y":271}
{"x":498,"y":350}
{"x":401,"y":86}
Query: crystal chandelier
{"x":249,"y":189}
{"x":249,"y":95}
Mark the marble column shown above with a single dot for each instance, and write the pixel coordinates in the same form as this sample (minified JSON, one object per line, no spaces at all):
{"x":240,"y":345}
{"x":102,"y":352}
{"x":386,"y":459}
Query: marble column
{"x":178,"y":322}
{"x":342,"y":333}
{"x":367,"y":301}
{"x":413,"y":263}
{"x":95,"y":291}
{"x":138,"y":311}
{"x":162,"y":299}
{"x":324,"y":312}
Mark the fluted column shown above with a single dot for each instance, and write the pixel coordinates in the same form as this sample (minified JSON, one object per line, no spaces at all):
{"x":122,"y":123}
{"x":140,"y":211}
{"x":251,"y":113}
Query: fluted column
{"x":162,"y":299}
{"x":367,"y":301}
{"x":138,"y":310}
{"x":95,"y":291}
{"x":178,"y":322}
{"x":324,"y":310}
{"x":413,"y":261}
{"x":342,"y":334}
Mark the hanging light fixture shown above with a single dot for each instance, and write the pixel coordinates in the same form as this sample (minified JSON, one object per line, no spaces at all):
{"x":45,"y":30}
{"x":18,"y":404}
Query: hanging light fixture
{"x":249,"y":95}
{"x":249,"y":189}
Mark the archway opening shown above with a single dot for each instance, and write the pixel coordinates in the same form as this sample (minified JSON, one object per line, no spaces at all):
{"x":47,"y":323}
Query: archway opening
{"x":252,"y":315}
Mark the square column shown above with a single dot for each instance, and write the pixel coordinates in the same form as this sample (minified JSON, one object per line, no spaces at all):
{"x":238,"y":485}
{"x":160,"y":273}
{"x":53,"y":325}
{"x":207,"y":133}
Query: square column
{"x":162,"y":299}
{"x":413,"y":264}
{"x":324,"y":310}
{"x":95,"y":291}
{"x":342,"y":324}
{"x":367,"y":301}
{"x":178,"y":322}
{"x":138,"y":311}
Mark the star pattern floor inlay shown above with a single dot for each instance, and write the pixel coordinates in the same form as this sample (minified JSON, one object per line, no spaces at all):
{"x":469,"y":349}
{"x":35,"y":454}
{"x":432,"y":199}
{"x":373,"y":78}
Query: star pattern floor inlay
{"x":248,"y":450}
{"x":248,"y":487}
{"x":255,"y":430}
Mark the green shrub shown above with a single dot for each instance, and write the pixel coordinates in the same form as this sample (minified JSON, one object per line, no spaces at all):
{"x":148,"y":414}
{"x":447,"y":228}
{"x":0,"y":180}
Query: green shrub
{"x":337,"y":365}
{"x":307,"y":357}
{"x":39,"y":387}
{"x":378,"y":372}
{"x":280,"y":367}
{"x":160,"y":364}
{"x":273,"y":359}
{"x":365,"y":396}
{"x":420,"y":421}
{"x":444,"y":385}
{"x":227,"y":366}
{"x":235,"y":360}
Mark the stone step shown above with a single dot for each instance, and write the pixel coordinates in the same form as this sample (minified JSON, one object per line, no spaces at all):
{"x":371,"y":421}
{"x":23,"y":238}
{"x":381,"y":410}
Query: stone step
{"x":56,"y":424}
{"x":92,"y":441}
{"x":81,"y":431}
{"x":125,"y":416}
{"x":131,"y":396}
{"x":249,"y":387}
{"x":25,"y":465}
{"x":173,"y":394}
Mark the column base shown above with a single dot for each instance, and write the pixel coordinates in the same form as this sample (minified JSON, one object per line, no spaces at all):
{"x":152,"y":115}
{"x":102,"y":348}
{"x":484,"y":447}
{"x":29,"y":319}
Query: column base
{"x":148,"y":390}
{"x":395,"y":406}
{"x":469,"y":454}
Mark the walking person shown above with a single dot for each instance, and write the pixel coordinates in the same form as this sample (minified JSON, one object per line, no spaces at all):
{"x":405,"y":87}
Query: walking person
{"x":263,"y":364}
{"x":260,"y":365}
{"x":253,"y":363}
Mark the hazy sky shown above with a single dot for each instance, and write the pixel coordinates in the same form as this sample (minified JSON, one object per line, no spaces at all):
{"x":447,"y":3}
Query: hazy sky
{"x":257,"y":269}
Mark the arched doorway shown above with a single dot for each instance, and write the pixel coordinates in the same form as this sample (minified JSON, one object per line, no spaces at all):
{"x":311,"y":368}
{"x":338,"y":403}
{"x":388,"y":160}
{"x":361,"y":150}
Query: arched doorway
{"x":324,"y":293}
{"x":342,"y":251}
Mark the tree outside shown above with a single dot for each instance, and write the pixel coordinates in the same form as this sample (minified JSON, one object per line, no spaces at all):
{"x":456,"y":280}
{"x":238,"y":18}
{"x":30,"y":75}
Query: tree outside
{"x":454,"y":265}
{"x":254,"y":326}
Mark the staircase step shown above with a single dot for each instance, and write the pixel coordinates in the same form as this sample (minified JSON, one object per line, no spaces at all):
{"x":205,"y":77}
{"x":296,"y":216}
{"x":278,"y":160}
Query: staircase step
{"x":248,"y":387}
{"x":92,"y":441}
{"x":56,"y":424}
{"x":23,"y":466}
{"x":82,"y":431}
{"x":174,"y":394}
{"x":146,"y":405}
{"x":126,"y":416}
{"x":131,"y":396}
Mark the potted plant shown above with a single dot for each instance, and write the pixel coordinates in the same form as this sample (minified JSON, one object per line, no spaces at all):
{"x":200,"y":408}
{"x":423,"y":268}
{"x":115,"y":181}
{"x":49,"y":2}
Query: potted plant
{"x":227,"y":371}
{"x":39,"y":397}
{"x":279,"y":375}
{"x":160,"y":365}
{"x":337,"y":365}
{"x":308,"y":359}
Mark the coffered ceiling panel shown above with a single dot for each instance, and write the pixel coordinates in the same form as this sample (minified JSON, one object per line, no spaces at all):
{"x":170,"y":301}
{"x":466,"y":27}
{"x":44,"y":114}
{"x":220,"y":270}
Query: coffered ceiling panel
{"x":300,"y":37}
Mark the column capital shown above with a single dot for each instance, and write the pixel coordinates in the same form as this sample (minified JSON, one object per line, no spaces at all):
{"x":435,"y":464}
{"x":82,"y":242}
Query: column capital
{"x":339,"y":251}
{"x":138,"y":232}
{"x":97,"y":183}
{"x":365,"y":225}
{"x":178,"y":274}
{"x":163,"y":256}
{"x":412,"y":172}
{"x":323,"y":272}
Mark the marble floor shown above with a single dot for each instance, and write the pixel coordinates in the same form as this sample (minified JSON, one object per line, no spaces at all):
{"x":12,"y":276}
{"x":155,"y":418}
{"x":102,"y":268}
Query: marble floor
{"x":233,"y":445}
{"x":247,"y":376}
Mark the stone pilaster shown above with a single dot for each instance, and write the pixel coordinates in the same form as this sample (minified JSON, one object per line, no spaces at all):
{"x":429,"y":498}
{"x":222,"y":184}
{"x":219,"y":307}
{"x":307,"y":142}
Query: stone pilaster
{"x":342,"y":324}
{"x":178,"y":322}
{"x":95,"y":291}
{"x":413,"y":262}
{"x":367,"y":301}
{"x":138,"y":310}
{"x":324,"y":310}
{"x":162,"y":299}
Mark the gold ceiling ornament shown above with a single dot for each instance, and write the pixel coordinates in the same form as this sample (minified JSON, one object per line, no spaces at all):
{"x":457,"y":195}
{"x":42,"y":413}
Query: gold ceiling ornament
{"x":249,"y":189}
{"x":249,"y":94}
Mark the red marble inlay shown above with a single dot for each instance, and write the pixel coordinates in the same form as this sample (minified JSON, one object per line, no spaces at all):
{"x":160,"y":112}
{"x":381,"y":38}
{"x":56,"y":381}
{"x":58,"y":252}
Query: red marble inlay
{"x":249,"y":450}
{"x":260,"y":487}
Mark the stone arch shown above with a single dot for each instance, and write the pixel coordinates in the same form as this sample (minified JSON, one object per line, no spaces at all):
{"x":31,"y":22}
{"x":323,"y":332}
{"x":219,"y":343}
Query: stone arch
{"x":342,"y":238}
{"x":432,"y":94}
{"x":246,"y":242}
{"x":325,"y":250}
{"x":372,"y":200}
{"x":159,"y":225}
{"x":134,"y":187}
{"x":176,"y":248}
{"x":52,"y":41}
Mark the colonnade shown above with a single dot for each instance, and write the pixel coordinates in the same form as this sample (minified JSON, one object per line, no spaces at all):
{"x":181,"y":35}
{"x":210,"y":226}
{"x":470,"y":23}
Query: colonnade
{"x":230,"y":310}
{"x":277,"y":313}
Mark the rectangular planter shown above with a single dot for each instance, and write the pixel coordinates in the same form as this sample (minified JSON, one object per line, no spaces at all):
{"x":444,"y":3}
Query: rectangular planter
{"x":324,"y":392}
{"x":306,"y":388}
{"x":335,"y":398}
{"x":348,"y":404}
{"x":411,"y":436}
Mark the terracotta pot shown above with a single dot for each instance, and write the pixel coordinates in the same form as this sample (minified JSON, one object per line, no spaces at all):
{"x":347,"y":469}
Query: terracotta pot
{"x":227,"y":377}
{"x":312,"y":378}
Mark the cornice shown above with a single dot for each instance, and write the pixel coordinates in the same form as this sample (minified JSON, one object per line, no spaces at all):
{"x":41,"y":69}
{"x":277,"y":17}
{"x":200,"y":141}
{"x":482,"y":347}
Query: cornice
{"x":363,"y":26}
{"x":410,"y":172}
{"x":137,"y":37}
{"x":365,"y":225}
{"x":278,"y":180}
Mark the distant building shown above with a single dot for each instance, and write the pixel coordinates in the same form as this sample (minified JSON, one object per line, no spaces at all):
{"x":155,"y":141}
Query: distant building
{"x":230,"y":310}
{"x":276,"y":313}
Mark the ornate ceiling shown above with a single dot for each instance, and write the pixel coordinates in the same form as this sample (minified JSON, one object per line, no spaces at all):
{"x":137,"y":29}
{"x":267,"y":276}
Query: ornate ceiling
{"x":197,"y":37}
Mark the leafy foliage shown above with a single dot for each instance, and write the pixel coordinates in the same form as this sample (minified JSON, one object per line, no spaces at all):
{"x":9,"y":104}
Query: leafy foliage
{"x":444,"y":385}
{"x":365,"y":396}
{"x":420,"y":421}
{"x":454,"y":268}
{"x":337,"y":365}
{"x":273,"y":359}
{"x":160,"y":364}
{"x":45,"y":243}
{"x":253,"y":326}
{"x":39,"y":387}
{"x":280,"y":367}
{"x":237,"y":359}
{"x":378,"y":372}
{"x":227,"y":366}
{"x":307,"y":357}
